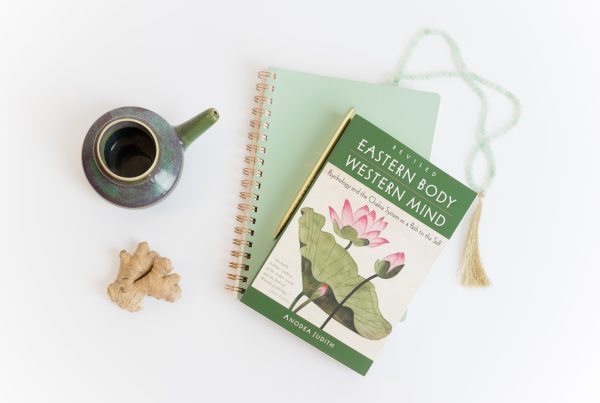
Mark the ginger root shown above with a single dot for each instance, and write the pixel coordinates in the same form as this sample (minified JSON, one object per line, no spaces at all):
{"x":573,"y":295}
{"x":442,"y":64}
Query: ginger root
{"x":143,"y":273}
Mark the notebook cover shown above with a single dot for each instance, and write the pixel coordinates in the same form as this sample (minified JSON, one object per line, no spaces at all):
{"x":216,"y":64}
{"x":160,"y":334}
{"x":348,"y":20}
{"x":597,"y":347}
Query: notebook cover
{"x":305,"y":110}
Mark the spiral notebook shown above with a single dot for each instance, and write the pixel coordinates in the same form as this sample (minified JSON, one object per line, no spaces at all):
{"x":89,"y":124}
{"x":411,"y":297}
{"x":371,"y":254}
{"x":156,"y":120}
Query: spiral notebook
{"x":293,"y":120}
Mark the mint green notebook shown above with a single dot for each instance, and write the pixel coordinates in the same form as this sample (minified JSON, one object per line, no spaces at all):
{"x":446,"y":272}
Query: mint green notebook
{"x":295,"y":116}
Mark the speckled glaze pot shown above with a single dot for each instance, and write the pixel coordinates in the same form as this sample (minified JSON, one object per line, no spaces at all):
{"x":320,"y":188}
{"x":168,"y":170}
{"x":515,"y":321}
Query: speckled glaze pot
{"x":133,"y":158}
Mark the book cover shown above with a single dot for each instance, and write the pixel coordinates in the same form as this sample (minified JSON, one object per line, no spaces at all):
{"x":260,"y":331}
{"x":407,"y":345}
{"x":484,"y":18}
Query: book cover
{"x":359,"y":245}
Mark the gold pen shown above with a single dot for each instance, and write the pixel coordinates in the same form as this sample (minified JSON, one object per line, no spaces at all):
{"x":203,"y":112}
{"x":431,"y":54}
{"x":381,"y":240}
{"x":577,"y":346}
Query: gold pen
{"x":313,"y":174}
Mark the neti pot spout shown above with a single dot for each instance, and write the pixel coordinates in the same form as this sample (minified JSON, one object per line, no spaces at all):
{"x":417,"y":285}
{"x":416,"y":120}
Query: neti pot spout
{"x":193,"y":128}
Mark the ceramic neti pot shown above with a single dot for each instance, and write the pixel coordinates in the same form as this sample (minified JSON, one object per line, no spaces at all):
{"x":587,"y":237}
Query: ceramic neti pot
{"x":133,"y":158}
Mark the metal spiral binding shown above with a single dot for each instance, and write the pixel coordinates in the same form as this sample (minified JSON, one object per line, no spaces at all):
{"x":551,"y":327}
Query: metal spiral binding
{"x":243,"y":279}
{"x":250,"y":183}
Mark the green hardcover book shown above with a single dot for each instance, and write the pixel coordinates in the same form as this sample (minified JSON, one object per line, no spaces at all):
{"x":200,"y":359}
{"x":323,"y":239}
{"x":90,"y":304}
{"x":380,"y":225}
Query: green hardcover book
{"x":360,"y":243}
{"x":293,"y":120}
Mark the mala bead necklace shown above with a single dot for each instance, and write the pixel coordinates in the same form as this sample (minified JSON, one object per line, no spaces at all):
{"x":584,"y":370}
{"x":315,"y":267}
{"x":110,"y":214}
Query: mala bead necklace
{"x":472,"y":273}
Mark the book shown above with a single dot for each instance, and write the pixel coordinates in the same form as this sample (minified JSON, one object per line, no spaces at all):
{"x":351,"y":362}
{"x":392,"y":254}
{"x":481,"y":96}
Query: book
{"x":359,"y":245}
{"x":293,"y":119}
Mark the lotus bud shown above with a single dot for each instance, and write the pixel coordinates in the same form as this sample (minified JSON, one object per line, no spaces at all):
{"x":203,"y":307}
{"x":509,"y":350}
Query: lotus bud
{"x":390,"y":265}
{"x":319,"y":292}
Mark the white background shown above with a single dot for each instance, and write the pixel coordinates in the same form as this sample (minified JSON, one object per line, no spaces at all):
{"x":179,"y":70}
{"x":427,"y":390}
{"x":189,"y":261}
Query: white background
{"x":532,"y":337}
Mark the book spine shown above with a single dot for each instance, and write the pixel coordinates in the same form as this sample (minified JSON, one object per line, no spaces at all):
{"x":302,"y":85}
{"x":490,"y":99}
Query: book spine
{"x":252,"y":172}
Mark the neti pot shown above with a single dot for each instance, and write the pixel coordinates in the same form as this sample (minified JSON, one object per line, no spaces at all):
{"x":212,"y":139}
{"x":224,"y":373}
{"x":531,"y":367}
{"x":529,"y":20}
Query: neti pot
{"x":133,"y":157}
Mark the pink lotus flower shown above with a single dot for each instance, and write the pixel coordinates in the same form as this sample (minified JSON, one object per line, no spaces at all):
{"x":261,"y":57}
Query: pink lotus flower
{"x":390,"y":265}
{"x":362,"y":227}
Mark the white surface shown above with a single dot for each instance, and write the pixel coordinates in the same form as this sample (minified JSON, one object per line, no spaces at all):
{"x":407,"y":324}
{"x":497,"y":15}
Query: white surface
{"x":532,"y":337}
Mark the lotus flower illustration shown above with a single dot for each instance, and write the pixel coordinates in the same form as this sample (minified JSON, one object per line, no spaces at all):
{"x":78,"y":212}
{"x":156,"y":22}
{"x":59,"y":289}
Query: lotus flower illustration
{"x":385,"y":268}
{"x":390,"y":265}
{"x":361,"y":228}
{"x":319,"y":292}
